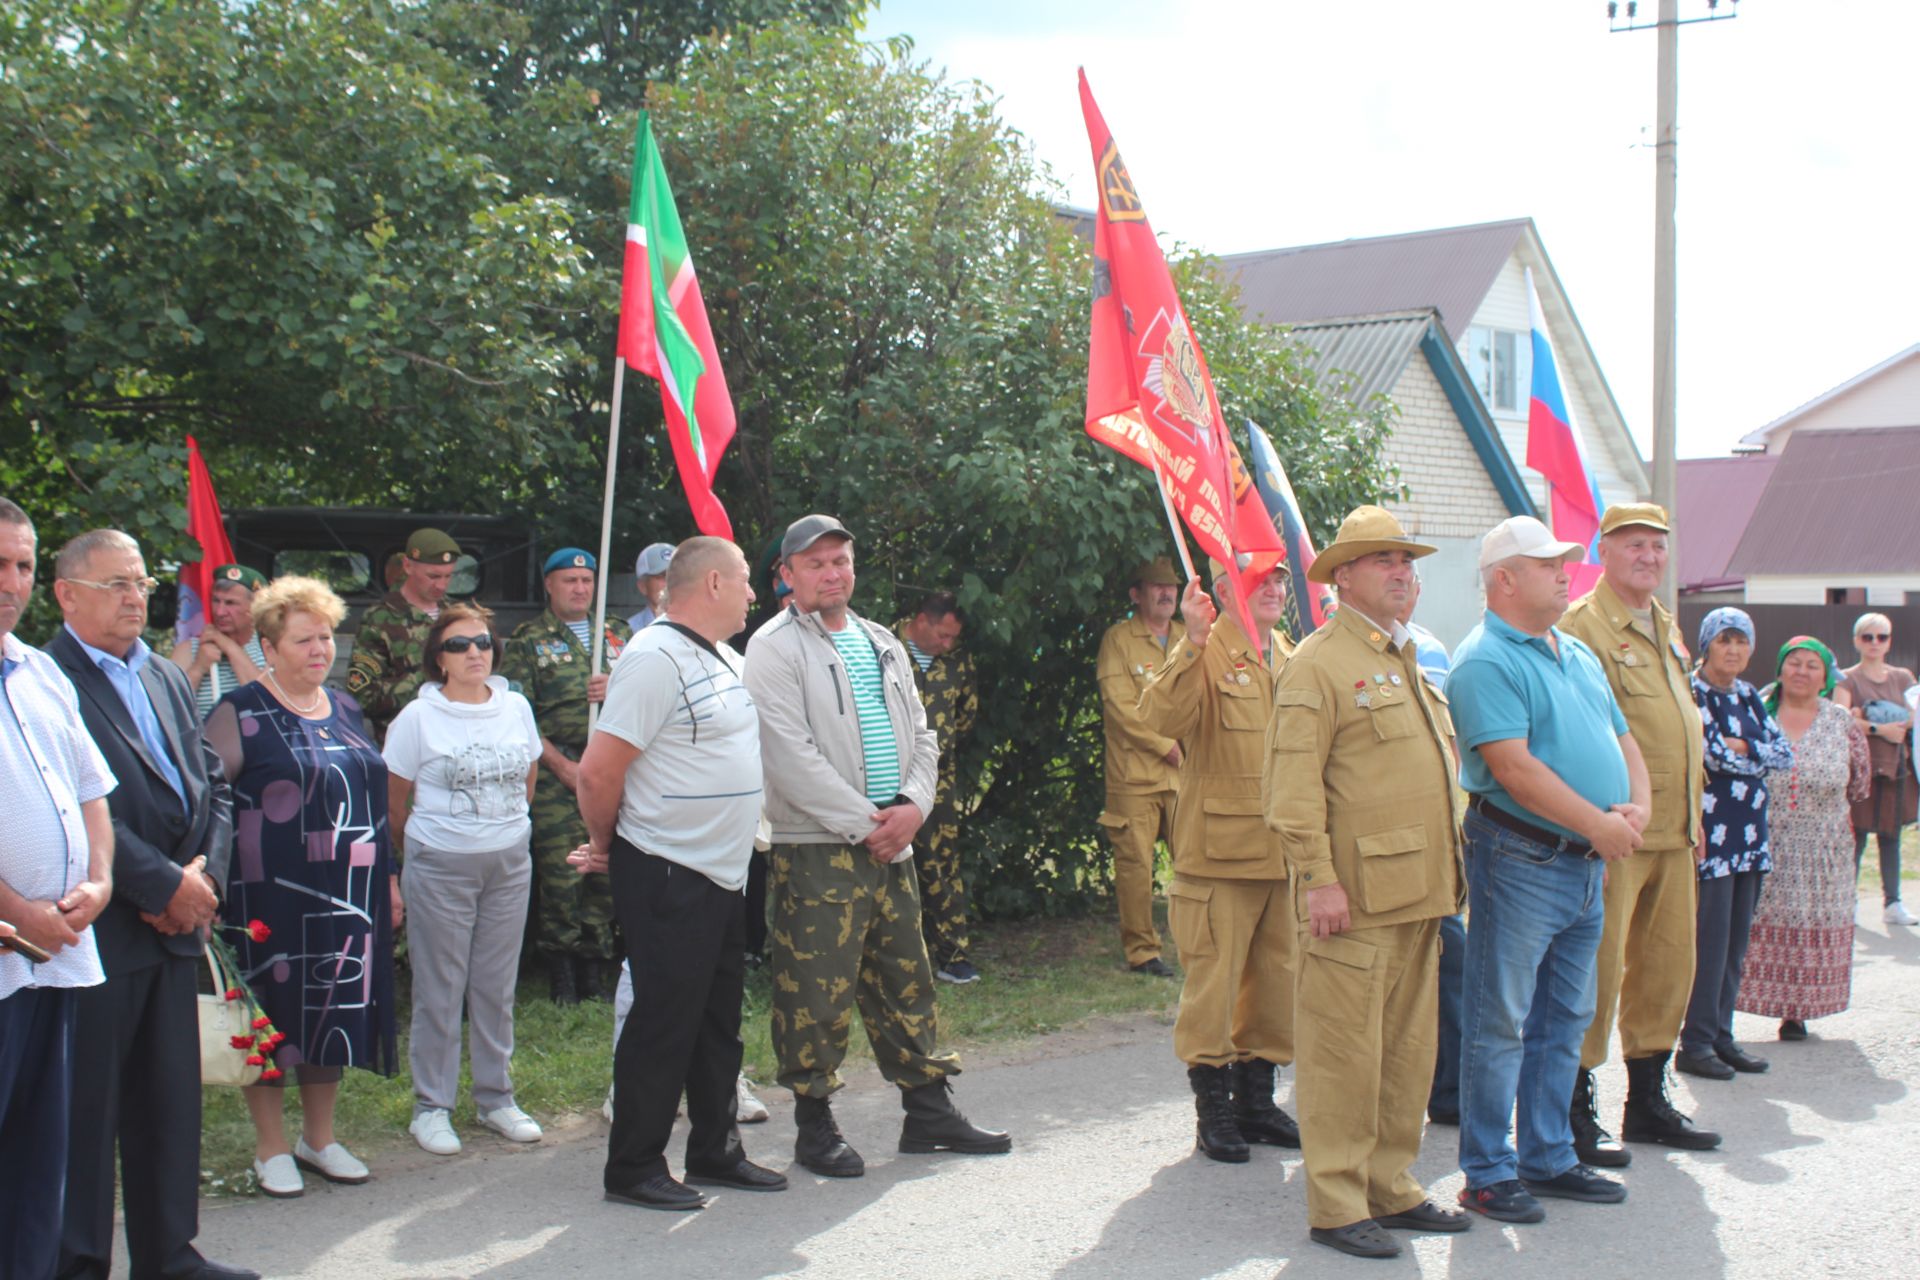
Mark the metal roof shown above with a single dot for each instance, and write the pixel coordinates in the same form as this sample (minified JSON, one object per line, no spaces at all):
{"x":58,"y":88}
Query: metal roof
{"x":1372,"y":350}
{"x":1448,"y":270}
{"x":1839,"y":501}
{"x":1714,"y":500}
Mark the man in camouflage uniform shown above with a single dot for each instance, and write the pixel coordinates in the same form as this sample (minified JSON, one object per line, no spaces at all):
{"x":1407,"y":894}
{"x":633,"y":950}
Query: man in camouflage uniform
{"x":850,"y":770}
{"x":384,"y":672}
{"x":951,"y":696}
{"x":550,"y":659}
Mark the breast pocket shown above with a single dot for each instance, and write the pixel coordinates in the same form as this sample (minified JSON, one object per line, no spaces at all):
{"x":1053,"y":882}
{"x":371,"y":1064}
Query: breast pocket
{"x":1242,"y":708}
{"x":1637,"y":680}
{"x":1393,"y":867}
{"x":1391,"y":720}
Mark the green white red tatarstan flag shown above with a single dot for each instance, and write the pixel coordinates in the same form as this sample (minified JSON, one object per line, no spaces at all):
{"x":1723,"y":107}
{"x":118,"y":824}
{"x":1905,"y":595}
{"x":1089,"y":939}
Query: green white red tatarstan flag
{"x":664,"y":333}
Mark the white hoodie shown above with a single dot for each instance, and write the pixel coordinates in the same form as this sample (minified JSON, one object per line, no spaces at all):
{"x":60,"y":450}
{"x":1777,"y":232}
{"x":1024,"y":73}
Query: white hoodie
{"x":468,"y":764}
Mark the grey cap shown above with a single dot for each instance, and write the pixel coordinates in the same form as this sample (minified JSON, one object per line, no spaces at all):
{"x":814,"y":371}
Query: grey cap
{"x":807,"y":530}
{"x":653,"y":561}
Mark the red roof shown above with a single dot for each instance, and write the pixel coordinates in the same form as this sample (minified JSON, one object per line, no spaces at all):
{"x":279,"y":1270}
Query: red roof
{"x":1714,"y":499}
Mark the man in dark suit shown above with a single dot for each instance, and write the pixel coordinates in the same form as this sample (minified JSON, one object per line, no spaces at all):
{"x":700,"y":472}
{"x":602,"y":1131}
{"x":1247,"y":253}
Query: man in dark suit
{"x":139,"y":1079}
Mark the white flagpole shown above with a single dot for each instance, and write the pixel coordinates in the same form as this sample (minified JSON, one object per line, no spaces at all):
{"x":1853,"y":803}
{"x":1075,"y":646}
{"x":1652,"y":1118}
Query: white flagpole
{"x":1173,"y":521}
{"x":606,"y":536}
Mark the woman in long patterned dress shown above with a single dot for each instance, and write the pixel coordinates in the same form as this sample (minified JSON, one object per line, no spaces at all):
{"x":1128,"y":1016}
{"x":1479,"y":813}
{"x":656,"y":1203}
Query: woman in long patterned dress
{"x":1800,"y":958}
{"x":311,"y":863}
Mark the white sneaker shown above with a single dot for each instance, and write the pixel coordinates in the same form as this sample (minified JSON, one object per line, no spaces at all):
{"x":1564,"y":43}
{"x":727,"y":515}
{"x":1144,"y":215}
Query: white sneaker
{"x":747,"y":1109}
{"x":335,"y":1163}
{"x":433,"y":1130}
{"x":1897,"y":913}
{"x":513,"y":1124}
{"x":606,"y":1108}
{"x":279,"y":1177}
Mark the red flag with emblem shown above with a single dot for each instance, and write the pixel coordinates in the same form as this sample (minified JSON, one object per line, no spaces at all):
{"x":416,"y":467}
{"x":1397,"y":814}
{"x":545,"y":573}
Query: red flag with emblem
{"x":1149,"y":394}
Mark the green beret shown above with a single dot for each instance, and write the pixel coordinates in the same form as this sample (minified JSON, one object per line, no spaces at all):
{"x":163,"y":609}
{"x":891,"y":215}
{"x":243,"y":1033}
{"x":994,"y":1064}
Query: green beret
{"x":430,"y":546}
{"x":250,"y":578}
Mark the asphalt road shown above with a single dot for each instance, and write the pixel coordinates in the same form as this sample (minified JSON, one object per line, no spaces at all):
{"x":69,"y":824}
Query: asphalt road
{"x":1818,"y":1176}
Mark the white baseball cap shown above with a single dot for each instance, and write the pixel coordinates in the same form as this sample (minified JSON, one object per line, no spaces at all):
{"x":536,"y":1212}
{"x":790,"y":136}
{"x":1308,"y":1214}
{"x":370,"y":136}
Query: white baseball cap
{"x":1524,"y":536}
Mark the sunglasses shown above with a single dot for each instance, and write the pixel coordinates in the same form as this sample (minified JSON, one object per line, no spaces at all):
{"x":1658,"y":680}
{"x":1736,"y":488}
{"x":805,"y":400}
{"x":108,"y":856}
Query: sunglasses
{"x":1877,"y":639}
{"x":460,"y":644}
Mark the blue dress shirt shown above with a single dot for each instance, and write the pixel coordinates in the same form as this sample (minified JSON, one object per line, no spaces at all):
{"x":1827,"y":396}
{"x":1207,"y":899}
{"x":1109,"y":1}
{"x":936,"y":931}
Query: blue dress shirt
{"x":124,"y":675}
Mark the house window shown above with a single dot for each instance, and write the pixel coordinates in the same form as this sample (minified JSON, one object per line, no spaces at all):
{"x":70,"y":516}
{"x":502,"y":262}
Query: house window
{"x":1501,"y":365}
{"x":1846,"y":595}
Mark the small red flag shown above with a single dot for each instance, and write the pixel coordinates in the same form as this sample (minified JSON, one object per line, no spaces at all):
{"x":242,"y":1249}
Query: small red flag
{"x":205,"y":527}
{"x":1149,"y":394}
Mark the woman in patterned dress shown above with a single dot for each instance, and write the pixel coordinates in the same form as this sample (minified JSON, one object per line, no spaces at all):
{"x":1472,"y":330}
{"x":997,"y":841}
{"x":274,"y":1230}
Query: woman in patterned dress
{"x":310,"y":863}
{"x":1875,"y":692}
{"x":1744,"y":745}
{"x":1800,"y":958}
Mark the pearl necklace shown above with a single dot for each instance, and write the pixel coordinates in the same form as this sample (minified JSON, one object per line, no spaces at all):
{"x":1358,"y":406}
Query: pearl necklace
{"x":287,"y":698}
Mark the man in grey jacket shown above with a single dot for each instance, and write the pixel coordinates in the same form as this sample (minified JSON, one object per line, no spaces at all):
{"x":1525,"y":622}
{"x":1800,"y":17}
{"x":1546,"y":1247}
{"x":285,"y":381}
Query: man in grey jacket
{"x":850,"y":773}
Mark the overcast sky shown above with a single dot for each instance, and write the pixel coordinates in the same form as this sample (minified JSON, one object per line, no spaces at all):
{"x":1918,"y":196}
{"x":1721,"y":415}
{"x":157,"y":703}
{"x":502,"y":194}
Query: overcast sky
{"x":1253,"y":124}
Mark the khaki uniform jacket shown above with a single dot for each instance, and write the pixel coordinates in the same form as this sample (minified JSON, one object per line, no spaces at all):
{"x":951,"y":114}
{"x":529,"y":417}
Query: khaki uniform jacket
{"x":1359,"y":777}
{"x":1136,"y":755}
{"x":1217,"y":701}
{"x":1648,"y":673}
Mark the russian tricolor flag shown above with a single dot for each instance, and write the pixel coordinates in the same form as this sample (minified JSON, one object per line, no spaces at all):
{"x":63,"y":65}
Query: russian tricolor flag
{"x":1307,"y":601}
{"x":1555,"y":451}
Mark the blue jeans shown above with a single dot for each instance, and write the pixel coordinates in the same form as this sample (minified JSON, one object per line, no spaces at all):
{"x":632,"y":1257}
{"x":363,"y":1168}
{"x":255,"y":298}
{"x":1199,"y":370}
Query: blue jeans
{"x":1444,"y":1099}
{"x":1529,"y":995}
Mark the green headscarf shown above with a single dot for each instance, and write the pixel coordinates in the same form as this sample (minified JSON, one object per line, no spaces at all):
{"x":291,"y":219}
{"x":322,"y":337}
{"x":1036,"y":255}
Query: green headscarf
{"x":1771,"y":694}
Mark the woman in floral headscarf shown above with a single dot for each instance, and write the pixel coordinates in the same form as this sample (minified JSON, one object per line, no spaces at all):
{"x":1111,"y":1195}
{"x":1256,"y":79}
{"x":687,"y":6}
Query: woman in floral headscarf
{"x":1800,"y":955}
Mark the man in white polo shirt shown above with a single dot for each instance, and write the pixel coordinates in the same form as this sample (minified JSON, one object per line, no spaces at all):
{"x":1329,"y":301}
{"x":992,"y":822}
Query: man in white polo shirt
{"x":670,"y":791}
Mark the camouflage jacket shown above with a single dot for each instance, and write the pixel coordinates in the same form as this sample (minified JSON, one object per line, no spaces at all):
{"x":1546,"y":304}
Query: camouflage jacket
{"x":950,"y":692}
{"x":384,"y":671}
{"x":545,"y":660}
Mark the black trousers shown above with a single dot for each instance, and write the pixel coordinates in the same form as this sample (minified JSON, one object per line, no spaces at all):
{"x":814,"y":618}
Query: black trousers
{"x":757,"y":905}
{"x":36,"y":1071}
{"x":686,"y":944}
{"x":136,"y":1080}
{"x":1725,"y":918}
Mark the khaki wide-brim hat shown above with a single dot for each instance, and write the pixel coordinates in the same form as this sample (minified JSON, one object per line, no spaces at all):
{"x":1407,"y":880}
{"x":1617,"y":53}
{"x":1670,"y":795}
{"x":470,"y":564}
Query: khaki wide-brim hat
{"x":1364,"y":531}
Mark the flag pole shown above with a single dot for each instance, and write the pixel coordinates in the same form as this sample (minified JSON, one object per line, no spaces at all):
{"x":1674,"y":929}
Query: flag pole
{"x":1173,"y":521}
{"x":606,"y":536}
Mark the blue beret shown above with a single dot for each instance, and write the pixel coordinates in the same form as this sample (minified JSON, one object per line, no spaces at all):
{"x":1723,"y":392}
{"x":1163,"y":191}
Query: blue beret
{"x":570,"y":558}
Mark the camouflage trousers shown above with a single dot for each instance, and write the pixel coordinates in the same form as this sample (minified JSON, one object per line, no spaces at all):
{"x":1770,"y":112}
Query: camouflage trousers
{"x":575,"y":911}
{"x":846,"y":932}
{"x":943,"y":891}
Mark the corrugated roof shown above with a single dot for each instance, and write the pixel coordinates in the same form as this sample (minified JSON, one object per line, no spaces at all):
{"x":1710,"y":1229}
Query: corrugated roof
{"x":1839,"y":501}
{"x":1449,"y":270}
{"x":1373,"y":350}
{"x":1714,"y":500}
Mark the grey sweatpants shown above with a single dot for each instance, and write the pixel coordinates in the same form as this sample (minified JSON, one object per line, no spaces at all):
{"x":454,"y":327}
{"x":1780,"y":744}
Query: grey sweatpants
{"x":466,"y":915}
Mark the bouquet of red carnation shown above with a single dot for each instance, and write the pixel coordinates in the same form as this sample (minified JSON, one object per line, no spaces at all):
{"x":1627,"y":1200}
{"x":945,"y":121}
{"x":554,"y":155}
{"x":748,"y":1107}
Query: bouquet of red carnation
{"x":245,"y":1029}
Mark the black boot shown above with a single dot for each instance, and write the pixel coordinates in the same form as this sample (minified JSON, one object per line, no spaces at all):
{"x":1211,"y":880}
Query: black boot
{"x":1215,"y":1132}
{"x":819,"y":1146}
{"x":561,"y":986}
{"x":933,"y":1123}
{"x":1650,"y":1115}
{"x":1592,"y":1144}
{"x":1254,"y":1111}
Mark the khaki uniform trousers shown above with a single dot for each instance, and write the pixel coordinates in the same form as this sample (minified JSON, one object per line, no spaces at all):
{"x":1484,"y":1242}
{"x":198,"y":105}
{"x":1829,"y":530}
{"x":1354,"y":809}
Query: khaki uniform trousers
{"x":1646,"y":954}
{"x":1135,"y":822}
{"x":1236,"y":940}
{"x":1367,"y":1019}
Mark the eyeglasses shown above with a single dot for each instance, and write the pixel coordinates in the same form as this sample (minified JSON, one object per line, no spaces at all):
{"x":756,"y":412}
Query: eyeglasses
{"x":1876,"y":638}
{"x":142,"y":587}
{"x":460,"y":644}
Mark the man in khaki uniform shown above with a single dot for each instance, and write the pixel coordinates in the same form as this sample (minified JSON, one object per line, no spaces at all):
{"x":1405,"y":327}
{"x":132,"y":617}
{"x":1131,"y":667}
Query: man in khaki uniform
{"x":1143,"y":768}
{"x":1359,"y":786}
{"x":1646,"y":950}
{"x":1228,"y":904}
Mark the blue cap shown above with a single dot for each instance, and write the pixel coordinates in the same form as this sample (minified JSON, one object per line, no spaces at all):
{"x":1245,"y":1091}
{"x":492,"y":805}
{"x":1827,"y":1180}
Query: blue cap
{"x":570,"y":558}
{"x":1725,"y":619}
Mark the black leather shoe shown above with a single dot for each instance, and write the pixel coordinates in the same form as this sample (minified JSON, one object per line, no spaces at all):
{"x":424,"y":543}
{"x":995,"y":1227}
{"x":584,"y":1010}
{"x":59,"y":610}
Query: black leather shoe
{"x":1362,"y":1239}
{"x":745,"y":1176}
{"x":1591,"y":1143}
{"x":660,"y":1191}
{"x":1215,"y":1133}
{"x":1426,"y":1216}
{"x":1792,"y":1029}
{"x":1708,"y":1067}
{"x":1154,"y":968}
{"x":1742,"y":1061}
{"x":1650,"y":1115}
{"x":1448,"y":1118}
{"x":211,"y":1270}
{"x":819,"y":1144}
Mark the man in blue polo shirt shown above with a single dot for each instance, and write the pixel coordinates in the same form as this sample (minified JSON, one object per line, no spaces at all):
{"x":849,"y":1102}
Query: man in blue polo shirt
{"x":1556,"y":789}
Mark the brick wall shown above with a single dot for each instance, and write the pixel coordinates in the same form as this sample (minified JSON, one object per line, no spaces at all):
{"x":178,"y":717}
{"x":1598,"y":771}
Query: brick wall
{"x":1451,"y":494}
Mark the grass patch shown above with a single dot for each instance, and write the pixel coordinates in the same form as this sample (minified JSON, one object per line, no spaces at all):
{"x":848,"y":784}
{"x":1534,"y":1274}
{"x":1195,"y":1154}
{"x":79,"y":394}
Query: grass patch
{"x":1040,"y":976}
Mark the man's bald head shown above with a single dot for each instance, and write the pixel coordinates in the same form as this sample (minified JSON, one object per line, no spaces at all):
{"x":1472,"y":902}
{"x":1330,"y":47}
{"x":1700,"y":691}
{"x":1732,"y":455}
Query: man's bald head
{"x":695,"y":558}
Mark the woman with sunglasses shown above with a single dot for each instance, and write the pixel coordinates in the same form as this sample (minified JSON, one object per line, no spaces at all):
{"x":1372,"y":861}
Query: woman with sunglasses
{"x":461,"y":759}
{"x":1875,"y":692}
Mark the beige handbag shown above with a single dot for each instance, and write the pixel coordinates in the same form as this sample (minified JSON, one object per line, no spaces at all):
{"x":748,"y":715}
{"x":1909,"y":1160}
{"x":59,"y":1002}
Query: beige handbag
{"x":221,"y":1020}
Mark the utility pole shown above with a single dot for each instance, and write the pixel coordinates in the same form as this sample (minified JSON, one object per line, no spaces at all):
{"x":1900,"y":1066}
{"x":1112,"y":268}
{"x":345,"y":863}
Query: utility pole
{"x":1666,"y":171}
